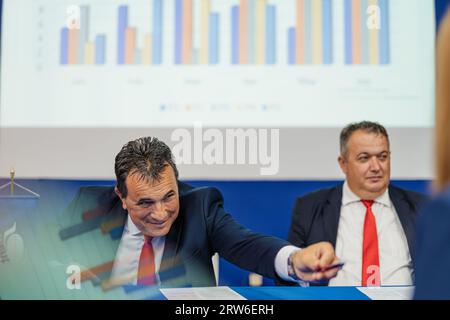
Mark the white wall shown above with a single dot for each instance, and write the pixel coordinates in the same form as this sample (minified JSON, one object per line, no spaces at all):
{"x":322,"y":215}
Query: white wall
{"x":305,"y":153}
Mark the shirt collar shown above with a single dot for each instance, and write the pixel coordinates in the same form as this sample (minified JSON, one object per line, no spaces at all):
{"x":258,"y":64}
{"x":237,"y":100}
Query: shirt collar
{"x":348,"y":196}
{"x":131,"y":228}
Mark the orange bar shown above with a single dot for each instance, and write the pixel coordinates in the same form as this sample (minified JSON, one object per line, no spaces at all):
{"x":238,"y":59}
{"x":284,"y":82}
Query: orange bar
{"x":116,"y":282}
{"x":111,"y":224}
{"x":356,"y":31}
{"x":93,"y":272}
{"x":243,"y":32}
{"x":96,"y":212}
{"x":300,"y":33}
{"x":130,"y":45}
{"x":187,"y":32}
{"x":72,"y":46}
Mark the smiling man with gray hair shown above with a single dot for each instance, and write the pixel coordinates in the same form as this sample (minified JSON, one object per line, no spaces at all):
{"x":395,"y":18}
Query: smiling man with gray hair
{"x":171,"y":230}
{"x":168,"y":220}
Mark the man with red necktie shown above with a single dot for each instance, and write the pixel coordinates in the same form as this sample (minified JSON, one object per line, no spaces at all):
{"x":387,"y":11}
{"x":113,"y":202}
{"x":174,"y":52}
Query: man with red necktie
{"x":369,"y":222}
{"x":146,"y":270}
{"x":172,"y":230}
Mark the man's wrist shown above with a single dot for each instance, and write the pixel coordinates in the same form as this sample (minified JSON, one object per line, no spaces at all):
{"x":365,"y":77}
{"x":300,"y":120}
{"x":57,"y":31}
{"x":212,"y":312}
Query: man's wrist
{"x":291,"y":268}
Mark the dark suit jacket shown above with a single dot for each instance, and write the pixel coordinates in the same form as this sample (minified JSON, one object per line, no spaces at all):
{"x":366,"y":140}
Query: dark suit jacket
{"x":315,"y":217}
{"x":433,"y":249}
{"x":201,"y":229}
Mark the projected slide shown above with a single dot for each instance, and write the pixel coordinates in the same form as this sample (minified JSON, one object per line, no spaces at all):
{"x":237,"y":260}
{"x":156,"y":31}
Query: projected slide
{"x":170,"y":63}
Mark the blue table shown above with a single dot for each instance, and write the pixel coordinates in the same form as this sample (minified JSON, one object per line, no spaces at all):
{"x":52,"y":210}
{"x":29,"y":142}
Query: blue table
{"x":298,"y":293}
{"x":282,"y":293}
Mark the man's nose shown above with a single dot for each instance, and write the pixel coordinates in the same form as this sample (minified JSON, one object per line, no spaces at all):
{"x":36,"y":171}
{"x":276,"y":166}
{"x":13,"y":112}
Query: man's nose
{"x":159,"y":211}
{"x":374,"y":164}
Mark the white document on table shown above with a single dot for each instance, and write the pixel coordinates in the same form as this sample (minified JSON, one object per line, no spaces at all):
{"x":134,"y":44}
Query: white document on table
{"x":388,"y":293}
{"x":204,"y":293}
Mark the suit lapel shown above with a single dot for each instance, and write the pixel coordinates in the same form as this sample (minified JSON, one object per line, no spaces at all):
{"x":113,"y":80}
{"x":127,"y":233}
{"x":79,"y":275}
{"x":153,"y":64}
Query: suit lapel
{"x":332,"y":213}
{"x":171,"y":263}
{"x":405,"y":216}
{"x":117,"y":212}
{"x":173,"y":270}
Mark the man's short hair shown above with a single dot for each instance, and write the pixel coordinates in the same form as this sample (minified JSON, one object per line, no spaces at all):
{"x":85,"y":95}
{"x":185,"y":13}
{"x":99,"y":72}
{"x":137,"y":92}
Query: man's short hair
{"x":366,"y":126}
{"x":147,"y":157}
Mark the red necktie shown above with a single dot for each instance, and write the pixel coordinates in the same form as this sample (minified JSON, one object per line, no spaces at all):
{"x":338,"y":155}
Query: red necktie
{"x":146,"y":271}
{"x":370,"y":275}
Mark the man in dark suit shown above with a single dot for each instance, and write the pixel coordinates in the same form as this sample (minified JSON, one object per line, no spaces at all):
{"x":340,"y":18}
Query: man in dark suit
{"x":369,"y":222}
{"x":171,"y":230}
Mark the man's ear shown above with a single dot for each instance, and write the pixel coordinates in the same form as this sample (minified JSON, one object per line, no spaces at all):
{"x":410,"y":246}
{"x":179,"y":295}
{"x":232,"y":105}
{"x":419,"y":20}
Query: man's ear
{"x":343,"y":164}
{"x":119,"y":194}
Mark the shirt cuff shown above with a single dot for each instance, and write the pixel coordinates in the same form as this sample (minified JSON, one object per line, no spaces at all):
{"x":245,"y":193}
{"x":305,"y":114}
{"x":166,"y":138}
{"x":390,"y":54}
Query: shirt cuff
{"x":281,"y":265}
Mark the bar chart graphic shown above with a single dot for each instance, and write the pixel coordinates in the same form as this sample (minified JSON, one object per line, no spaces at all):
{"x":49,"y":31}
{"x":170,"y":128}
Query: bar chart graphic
{"x":75,"y":46}
{"x":310,"y":41}
{"x":253,"y":34}
{"x":196,"y":45}
{"x":241,"y":32}
{"x":128,"y":52}
{"x":367,"y":32}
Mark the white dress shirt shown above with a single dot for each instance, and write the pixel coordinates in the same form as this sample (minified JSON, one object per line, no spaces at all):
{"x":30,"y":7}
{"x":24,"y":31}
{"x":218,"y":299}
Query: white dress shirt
{"x":395,"y":260}
{"x":126,"y":264}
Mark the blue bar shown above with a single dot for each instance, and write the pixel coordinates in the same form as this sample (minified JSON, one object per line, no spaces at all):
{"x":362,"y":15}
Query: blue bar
{"x":384,"y":32}
{"x":348,"y":31}
{"x":308,"y":32}
{"x":116,"y":233}
{"x":64,"y":49}
{"x":123,"y":23}
{"x":178,"y":270}
{"x":251,"y":32}
{"x":291,"y":46}
{"x":214,"y":38}
{"x":129,"y":288}
{"x":271,"y":34}
{"x":157,"y":31}
{"x":97,"y":280}
{"x":178,"y":31}
{"x":299,"y":293}
{"x":156,"y":295}
{"x":100,"y":49}
{"x":81,"y":228}
{"x":235,"y":35}
{"x":327,"y":22}
{"x":364,"y":33}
